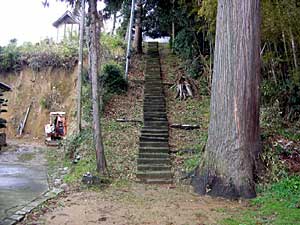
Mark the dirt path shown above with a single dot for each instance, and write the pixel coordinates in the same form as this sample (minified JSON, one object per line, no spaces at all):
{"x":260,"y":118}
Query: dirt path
{"x":135,"y":204}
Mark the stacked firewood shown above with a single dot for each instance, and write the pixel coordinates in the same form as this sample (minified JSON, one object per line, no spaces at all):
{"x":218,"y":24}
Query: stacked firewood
{"x":185,"y":87}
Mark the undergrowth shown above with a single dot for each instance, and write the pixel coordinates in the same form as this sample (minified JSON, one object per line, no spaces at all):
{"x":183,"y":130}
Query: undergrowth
{"x":277,"y":204}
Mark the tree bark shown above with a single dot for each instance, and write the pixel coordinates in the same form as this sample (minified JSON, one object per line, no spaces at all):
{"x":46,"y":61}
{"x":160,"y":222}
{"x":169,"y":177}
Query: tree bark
{"x":80,"y":65}
{"x":294,"y":49}
{"x":138,"y":39}
{"x":94,"y":51}
{"x":114,"y":23}
{"x":228,"y":164}
{"x":129,"y":36}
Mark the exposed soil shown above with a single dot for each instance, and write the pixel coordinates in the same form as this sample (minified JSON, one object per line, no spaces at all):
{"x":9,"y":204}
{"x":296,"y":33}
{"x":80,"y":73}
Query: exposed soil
{"x":135,"y":204}
{"x":47,"y":90}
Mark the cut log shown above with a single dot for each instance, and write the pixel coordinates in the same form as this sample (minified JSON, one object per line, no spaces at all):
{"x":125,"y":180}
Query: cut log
{"x":185,"y":126}
{"x":123,"y":120}
{"x":24,"y":121}
{"x":183,"y":151}
{"x":185,"y":87}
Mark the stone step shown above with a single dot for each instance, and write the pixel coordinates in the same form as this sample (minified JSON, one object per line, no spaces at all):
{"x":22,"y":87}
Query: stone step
{"x":153,"y":118}
{"x":153,"y":78}
{"x":153,"y":86}
{"x":154,"y":155}
{"x":148,"y":108}
{"x":154,"y":100}
{"x":158,"y":126}
{"x":153,"y":109}
{"x":154,"y":130}
{"x":154,"y":97}
{"x":154,"y":150}
{"x":166,"y":174}
{"x":149,"y":134}
{"x":158,"y":181}
{"x":154,"y":161}
{"x":153,"y":93}
{"x":156,"y":123}
{"x":158,"y":103}
{"x":154,"y":144}
{"x":153,"y":139}
{"x":152,"y":89}
{"x":152,"y":112}
{"x":155,"y":167}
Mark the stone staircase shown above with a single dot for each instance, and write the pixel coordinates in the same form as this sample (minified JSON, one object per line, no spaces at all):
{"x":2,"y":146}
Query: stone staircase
{"x":153,"y":163}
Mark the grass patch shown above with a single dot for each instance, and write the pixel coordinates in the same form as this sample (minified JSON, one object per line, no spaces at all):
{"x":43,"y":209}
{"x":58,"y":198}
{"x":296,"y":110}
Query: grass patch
{"x":26,"y":157}
{"x":191,"y":111}
{"x":277,"y":204}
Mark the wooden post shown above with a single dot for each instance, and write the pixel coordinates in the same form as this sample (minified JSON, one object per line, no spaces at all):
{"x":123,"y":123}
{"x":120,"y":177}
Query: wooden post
{"x":25,"y":120}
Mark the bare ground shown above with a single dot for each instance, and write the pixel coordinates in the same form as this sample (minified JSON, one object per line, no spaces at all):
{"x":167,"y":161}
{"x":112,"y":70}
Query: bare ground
{"x":125,"y":202}
{"x":136,"y":204}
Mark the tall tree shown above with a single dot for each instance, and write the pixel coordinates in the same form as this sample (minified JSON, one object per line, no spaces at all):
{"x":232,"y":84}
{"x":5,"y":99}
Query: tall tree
{"x":80,"y":65}
{"x":111,"y":9}
{"x":95,"y":26}
{"x":227,"y":166}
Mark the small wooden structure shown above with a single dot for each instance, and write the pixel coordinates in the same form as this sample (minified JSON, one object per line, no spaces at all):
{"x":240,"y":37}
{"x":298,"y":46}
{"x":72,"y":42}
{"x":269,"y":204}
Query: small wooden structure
{"x":3,"y":105}
{"x":66,"y":25}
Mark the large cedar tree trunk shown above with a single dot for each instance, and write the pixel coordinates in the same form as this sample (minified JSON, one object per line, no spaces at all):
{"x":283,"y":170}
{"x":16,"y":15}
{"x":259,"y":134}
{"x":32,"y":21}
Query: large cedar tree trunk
{"x":94,"y":55}
{"x":228,"y":164}
{"x":138,"y":39}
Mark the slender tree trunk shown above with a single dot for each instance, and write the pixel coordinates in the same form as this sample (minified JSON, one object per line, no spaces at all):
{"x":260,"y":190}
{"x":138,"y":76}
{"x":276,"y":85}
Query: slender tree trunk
{"x":173,"y":25}
{"x":80,"y":65}
{"x":114,"y":23}
{"x":227,"y":166}
{"x":94,"y":51}
{"x":294,"y":49}
{"x":138,"y":39}
{"x":129,"y":36}
{"x":284,"y":45}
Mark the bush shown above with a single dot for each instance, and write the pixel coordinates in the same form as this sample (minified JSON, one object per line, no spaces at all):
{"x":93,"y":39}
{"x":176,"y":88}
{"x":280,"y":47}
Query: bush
{"x":38,"y":56}
{"x":113,"y":78}
{"x":285,"y":94}
{"x":10,"y":57}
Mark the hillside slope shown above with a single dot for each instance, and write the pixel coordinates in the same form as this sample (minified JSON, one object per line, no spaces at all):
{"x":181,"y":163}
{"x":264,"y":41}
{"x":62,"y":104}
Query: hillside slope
{"x":47,"y":90}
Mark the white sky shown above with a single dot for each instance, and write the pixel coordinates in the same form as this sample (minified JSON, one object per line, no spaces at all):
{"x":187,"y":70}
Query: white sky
{"x":28,"y":20}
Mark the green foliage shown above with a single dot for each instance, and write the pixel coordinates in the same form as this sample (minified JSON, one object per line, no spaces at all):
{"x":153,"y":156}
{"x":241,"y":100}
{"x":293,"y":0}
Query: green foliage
{"x":43,"y":103}
{"x":39,"y":56}
{"x":10,"y":57}
{"x":112,"y":75}
{"x":274,"y":168}
{"x":112,"y":48}
{"x":277,"y":204}
{"x":285,"y":94}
